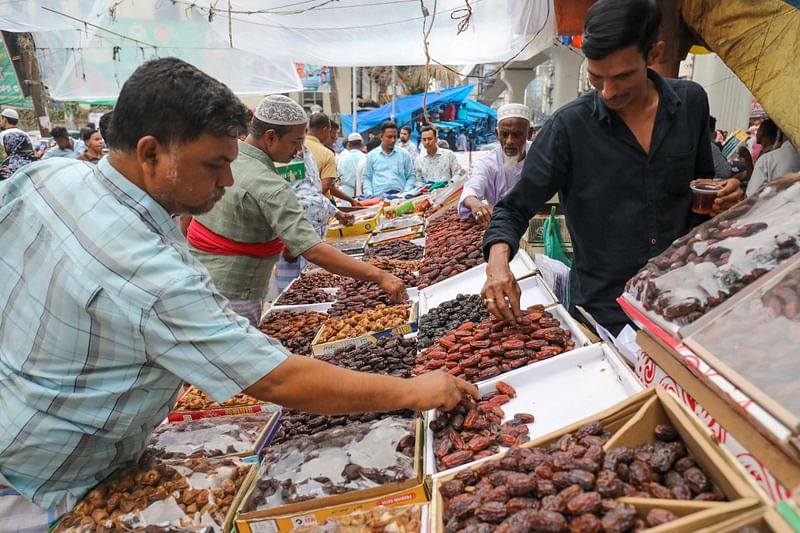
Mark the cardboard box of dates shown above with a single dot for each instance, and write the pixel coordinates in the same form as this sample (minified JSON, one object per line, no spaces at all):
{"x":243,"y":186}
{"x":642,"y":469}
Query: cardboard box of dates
{"x":198,"y":494}
{"x":194,"y":404}
{"x":366,"y":220}
{"x":644,"y":463}
{"x":406,"y":519}
{"x":402,"y":234}
{"x":239,"y":435}
{"x":752,"y":341}
{"x":346,"y":472}
{"x":717,"y":259}
{"x":320,"y":345}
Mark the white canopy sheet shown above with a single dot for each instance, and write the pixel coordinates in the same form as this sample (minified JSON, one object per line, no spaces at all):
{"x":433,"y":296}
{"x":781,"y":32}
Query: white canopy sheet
{"x":382,"y":32}
{"x":81,"y":62}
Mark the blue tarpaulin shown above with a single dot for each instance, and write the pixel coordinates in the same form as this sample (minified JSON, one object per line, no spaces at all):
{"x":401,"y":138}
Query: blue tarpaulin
{"x":407,"y":106}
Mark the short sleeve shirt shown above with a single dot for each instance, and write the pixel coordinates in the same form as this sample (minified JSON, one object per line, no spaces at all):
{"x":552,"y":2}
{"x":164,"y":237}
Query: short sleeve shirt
{"x":260,"y":206}
{"x":325,"y":158}
{"x":104,"y":314}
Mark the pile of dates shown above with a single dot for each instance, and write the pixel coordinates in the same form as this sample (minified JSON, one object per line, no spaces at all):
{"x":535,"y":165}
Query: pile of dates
{"x":448,"y":315}
{"x":356,"y":324}
{"x":318,"y":280}
{"x":570,"y":485}
{"x":120,"y":502}
{"x":344,"y":459}
{"x":294,"y":330}
{"x":662,"y":469}
{"x":393,"y":355}
{"x":493,"y":347}
{"x":196,"y":400}
{"x":358,"y":296}
{"x":295,"y":424}
{"x":405,"y":270}
{"x":722,"y":256}
{"x":765,"y":351}
{"x":452,"y":246}
{"x":211,"y":437}
{"x":304,"y":296}
{"x":474,"y":430}
{"x":783,"y":300}
{"x":405,"y":250}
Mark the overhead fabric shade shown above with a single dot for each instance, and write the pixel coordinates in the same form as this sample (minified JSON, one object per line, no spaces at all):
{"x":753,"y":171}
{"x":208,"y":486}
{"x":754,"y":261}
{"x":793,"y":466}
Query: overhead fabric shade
{"x":369,"y":32}
{"x":81,"y":63}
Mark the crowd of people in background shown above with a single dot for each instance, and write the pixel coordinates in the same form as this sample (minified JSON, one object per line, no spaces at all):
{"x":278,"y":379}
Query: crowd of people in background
{"x":20,"y":150}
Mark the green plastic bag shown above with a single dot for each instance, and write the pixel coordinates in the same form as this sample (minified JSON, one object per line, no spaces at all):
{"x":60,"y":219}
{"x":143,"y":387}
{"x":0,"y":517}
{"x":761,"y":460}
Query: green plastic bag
{"x":553,"y":243}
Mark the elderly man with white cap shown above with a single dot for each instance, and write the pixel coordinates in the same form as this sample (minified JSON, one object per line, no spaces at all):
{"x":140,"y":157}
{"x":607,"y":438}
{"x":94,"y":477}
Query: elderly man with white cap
{"x":9,"y":118}
{"x":106,"y":314}
{"x":351,"y":165}
{"x":497,"y":172}
{"x":242,"y":237}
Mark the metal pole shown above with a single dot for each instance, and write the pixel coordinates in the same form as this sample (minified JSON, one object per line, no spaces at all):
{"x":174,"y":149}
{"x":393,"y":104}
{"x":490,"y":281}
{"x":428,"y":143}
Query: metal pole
{"x":394,"y":88}
{"x":355,"y":102}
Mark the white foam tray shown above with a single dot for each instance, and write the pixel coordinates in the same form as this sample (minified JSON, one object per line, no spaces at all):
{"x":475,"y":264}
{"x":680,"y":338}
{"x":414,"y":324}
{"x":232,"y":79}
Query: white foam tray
{"x":534,"y":290}
{"x":557,"y":391}
{"x":567,"y":322}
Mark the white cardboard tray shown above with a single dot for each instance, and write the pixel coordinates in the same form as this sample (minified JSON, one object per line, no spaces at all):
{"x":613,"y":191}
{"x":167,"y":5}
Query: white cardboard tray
{"x":534,"y":290}
{"x":557,"y":391}
{"x":567,"y":322}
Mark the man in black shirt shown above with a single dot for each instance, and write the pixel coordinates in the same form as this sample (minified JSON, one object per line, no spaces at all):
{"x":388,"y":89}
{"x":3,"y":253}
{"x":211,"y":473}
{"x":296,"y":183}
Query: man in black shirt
{"x":622,"y":158}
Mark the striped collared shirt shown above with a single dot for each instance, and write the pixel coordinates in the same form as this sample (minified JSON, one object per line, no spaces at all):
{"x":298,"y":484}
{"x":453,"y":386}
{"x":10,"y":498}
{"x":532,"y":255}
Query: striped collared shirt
{"x":104,"y":314}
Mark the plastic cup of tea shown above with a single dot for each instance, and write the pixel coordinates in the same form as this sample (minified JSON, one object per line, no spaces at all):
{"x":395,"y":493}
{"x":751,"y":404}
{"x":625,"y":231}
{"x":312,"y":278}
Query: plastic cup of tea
{"x":703,"y":196}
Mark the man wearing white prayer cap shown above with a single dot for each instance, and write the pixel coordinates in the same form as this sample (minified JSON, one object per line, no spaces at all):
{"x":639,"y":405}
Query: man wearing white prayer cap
{"x":242,"y":237}
{"x":494,"y":174}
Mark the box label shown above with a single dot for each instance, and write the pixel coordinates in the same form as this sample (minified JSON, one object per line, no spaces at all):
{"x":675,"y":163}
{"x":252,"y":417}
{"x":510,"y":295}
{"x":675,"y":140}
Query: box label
{"x":267,"y":526}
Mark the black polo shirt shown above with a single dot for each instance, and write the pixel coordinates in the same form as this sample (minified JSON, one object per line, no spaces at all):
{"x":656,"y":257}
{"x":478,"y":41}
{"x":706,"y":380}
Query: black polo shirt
{"x":623,"y":206}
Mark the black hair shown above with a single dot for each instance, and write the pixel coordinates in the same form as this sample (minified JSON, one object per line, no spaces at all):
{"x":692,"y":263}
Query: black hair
{"x":612,"y":25}
{"x":712,"y":124}
{"x":769,"y":129}
{"x":355,"y":144}
{"x":104,"y":123}
{"x":318,"y":121}
{"x":334,"y":126}
{"x":259,"y":128}
{"x":59,"y":132}
{"x":388,"y":125}
{"x":174,"y":102}
{"x":12,"y":121}
{"x":406,"y":128}
{"x":423,"y":129}
{"x":86,"y":134}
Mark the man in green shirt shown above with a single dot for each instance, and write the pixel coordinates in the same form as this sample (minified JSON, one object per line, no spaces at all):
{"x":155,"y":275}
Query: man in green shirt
{"x":242,"y":237}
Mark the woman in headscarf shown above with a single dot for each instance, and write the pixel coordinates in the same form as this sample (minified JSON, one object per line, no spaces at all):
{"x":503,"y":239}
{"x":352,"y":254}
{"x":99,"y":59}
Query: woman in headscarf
{"x":20,"y":152}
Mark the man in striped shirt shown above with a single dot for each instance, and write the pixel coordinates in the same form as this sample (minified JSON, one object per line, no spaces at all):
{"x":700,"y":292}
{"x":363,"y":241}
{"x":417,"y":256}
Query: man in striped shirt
{"x":105,"y":313}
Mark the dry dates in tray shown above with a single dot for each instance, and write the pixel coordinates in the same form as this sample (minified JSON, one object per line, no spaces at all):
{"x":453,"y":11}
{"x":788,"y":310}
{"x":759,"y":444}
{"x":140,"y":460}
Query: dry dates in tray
{"x":335,"y":461}
{"x":588,"y":479}
{"x":452,"y":246}
{"x":720,"y":257}
{"x":478,"y":352}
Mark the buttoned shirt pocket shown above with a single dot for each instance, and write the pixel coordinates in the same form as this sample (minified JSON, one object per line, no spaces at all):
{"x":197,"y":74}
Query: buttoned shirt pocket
{"x":679,"y":170}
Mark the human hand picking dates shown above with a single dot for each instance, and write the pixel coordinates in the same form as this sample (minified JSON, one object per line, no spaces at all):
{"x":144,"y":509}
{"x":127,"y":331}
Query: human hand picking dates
{"x":501,"y":293}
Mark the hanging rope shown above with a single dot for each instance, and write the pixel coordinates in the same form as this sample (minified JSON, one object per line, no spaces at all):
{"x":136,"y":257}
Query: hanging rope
{"x":463,"y":16}
{"x":426,"y":31}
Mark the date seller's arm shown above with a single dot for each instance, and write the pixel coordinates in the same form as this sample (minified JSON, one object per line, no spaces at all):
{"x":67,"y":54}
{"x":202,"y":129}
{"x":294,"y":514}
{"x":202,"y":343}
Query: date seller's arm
{"x":314,"y":386}
{"x":544,"y":173}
